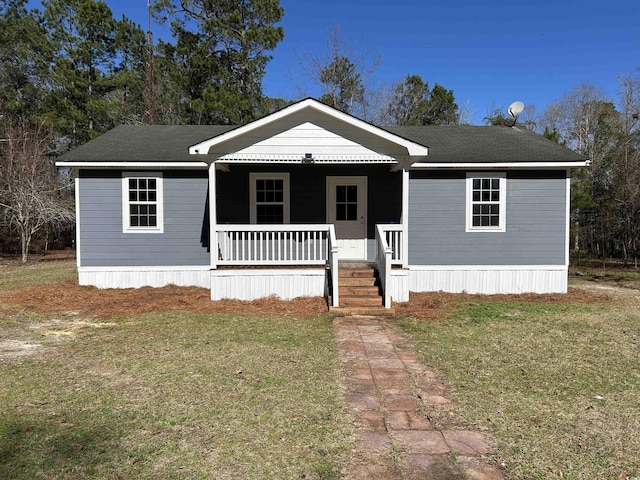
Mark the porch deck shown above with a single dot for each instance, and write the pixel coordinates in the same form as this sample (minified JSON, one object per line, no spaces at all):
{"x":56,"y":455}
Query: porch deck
{"x":289,"y":260}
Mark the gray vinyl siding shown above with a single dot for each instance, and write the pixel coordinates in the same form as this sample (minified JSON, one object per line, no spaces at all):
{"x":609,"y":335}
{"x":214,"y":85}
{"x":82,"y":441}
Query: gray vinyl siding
{"x":185,"y":238}
{"x":102,"y":242}
{"x":535,"y":221}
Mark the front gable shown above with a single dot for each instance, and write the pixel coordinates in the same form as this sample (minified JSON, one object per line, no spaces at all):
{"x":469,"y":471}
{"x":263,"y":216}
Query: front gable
{"x":309,"y":132}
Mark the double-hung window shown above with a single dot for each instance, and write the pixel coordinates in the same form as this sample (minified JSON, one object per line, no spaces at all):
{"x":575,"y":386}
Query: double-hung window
{"x":486,"y":202}
{"x":142,"y":203}
{"x":269,"y":198}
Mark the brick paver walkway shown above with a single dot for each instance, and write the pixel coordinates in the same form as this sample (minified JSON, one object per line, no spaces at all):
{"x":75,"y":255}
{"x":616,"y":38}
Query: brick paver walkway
{"x":386,"y":386}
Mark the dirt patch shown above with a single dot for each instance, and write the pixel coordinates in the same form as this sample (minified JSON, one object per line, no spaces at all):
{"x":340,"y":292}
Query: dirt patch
{"x":11,"y":349}
{"x":616,"y":291}
{"x":437,"y":306}
{"x":69,"y":296}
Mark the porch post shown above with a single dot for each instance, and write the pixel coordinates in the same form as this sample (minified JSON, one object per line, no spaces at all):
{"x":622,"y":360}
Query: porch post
{"x":405,"y":217}
{"x":213,"y":217}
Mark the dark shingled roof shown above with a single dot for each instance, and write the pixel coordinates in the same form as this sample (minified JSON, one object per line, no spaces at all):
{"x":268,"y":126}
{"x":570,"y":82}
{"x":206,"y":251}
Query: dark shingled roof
{"x":145,"y":143}
{"x":463,"y":144}
{"x":471,"y":144}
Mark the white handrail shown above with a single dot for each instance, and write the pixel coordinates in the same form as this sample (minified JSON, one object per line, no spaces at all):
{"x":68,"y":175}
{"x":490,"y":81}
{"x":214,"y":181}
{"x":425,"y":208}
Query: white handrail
{"x":333,"y":266}
{"x":392,"y":234}
{"x":383,"y":260}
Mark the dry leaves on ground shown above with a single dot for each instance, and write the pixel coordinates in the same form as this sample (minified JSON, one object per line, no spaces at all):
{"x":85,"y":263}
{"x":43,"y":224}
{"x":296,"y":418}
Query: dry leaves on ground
{"x":436,"y":306}
{"x":69,"y":296}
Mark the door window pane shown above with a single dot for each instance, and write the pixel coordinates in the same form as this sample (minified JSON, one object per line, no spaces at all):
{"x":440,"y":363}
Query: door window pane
{"x":346,"y":202}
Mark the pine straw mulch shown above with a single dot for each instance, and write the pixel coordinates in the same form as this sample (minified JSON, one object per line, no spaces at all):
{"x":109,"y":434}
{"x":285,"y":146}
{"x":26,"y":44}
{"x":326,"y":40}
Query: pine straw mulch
{"x":437,"y":306}
{"x":68,"y":296}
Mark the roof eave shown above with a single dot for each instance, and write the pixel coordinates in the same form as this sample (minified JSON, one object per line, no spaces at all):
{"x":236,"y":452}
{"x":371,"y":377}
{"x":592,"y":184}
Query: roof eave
{"x":137,"y":164}
{"x":484,"y":165}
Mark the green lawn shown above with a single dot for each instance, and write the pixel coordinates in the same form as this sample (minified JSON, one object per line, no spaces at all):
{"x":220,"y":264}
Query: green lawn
{"x":15,"y":276}
{"x":169,"y":395}
{"x":557,"y":385}
{"x":230,"y":396}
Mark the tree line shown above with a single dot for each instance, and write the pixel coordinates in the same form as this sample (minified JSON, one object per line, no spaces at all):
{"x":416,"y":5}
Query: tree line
{"x":71,"y":71}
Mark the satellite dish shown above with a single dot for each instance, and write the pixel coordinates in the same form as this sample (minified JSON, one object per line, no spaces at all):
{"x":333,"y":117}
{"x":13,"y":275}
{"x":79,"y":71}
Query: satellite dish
{"x":516,"y":109}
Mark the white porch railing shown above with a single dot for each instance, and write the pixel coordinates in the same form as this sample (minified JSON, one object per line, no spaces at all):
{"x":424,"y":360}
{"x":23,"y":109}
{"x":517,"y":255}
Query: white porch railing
{"x":258,"y":245}
{"x":278,"y":245}
{"x":333,"y":266}
{"x":393,"y":236}
{"x":389,"y":252}
{"x":384,"y":255}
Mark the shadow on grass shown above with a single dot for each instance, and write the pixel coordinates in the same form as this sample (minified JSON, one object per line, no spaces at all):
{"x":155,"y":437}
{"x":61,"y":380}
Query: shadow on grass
{"x":31,"y":449}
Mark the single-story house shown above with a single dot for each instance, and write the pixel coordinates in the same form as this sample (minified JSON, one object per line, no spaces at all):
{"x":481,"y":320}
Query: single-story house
{"x":274,"y":207}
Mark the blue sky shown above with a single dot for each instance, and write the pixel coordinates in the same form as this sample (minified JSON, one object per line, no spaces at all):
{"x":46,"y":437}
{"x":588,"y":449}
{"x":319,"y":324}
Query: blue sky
{"x":490,"y":53}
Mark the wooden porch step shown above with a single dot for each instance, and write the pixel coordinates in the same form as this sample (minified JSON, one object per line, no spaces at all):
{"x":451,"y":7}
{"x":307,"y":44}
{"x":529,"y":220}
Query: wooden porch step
{"x":356,"y":281}
{"x":358,"y":290}
{"x":360,"y":301}
{"x":367,"y":311}
{"x":356,"y":272}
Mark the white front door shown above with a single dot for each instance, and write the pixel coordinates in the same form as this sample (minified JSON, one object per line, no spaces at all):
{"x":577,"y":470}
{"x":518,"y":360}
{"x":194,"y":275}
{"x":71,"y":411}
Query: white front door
{"x":347,"y":210}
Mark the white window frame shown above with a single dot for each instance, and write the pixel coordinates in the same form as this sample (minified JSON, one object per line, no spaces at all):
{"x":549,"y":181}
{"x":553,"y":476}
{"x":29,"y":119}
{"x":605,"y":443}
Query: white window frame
{"x":502,"y":220}
{"x":159,"y":202}
{"x":253,"y":204}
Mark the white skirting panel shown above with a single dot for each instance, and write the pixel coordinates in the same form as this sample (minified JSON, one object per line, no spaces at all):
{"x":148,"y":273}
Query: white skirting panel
{"x":136,"y":277}
{"x":399,"y":285}
{"x":489,"y":280}
{"x":253,"y":284}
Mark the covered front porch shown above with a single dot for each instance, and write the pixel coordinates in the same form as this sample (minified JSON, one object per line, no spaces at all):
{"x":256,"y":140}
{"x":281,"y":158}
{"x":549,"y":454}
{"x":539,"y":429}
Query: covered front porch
{"x":293,"y":193}
{"x":289,"y":225}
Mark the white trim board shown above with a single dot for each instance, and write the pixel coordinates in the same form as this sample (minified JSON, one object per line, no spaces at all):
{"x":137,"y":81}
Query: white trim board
{"x":405,"y":217}
{"x":487,"y":165}
{"x":187,"y":268}
{"x":133,"y":164}
{"x":568,"y":217}
{"x":77,"y":200}
{"x":257,"y":272}
{"x":486,"y":267}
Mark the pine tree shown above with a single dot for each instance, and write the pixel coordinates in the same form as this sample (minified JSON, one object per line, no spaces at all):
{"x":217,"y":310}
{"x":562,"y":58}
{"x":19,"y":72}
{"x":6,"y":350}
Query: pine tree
{"x":214,"y":71}
{"x":413,"y":103}
{"x":97,"y":71}
{"x":25,"y":55}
